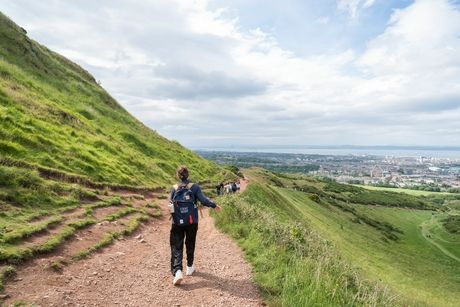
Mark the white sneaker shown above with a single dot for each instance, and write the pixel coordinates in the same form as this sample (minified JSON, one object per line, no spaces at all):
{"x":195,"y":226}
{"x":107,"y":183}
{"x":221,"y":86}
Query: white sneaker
{"x":190,"y":270}
{"x":178,"y":278}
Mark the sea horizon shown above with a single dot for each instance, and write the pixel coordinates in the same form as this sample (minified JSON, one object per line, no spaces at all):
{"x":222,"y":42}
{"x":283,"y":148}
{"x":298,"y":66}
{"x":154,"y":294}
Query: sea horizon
{"x":451,"y":152}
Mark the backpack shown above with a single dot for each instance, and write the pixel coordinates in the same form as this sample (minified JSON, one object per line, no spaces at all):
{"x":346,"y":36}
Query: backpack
{"x":185,"y":210}
{"x":234,"y":187}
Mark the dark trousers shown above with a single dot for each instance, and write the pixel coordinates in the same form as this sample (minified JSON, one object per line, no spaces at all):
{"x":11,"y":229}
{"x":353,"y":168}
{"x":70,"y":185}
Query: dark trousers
{"x":176,"y":240}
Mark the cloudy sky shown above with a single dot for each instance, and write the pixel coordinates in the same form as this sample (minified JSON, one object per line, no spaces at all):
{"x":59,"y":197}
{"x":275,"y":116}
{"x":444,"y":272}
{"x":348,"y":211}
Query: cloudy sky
{"x":235,"y":72}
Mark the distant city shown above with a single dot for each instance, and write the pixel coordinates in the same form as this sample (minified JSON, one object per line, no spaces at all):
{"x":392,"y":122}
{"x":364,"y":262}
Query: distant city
{"x":427,"y":173}
{"x":340,"y":150}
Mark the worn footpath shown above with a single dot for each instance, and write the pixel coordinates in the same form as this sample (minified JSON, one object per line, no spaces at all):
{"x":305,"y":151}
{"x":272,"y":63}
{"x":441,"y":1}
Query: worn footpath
{"x":134,"y":271}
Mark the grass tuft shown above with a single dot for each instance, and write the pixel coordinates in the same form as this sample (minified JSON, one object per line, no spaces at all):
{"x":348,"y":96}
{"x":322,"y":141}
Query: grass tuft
{"x":57,"y":265}
{"x":134,"y":224}
{"x":27,"y":230}
{"x":6,"y":273}
{"x":107,"y":240}
{"x":123,"y":212}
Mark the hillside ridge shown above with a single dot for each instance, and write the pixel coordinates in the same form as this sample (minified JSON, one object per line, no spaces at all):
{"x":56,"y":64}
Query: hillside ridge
{"x":77,"y":171}
{"x":55,"y":115}
{"x":371,"y":248}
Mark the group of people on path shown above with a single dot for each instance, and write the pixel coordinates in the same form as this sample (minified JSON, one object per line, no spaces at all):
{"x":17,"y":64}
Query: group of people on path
{"x":228,"y":188}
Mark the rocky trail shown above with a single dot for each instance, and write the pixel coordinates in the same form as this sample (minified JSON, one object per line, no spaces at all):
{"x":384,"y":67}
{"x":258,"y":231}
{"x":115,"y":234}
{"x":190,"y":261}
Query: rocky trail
{"x":134,"y":270}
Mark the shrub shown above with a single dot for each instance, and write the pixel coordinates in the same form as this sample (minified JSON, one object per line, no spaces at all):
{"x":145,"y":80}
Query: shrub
{"x":452,"y":223}
{"x":18,"y":177}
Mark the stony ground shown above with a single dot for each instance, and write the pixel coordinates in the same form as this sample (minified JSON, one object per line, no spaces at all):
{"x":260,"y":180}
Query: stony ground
{"x":134,"y":271}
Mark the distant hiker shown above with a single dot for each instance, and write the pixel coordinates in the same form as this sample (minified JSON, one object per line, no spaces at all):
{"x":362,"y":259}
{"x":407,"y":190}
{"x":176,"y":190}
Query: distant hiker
{"x":234,"y":188}
{"x":220,"y":189}
{"x":184,"y":212}
{"x":238,"y":185}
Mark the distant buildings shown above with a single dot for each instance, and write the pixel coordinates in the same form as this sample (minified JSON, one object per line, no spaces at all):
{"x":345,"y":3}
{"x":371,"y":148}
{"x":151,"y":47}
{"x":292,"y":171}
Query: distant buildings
{"x":403,"y":172}
{"x":377,"y":172}
{"x":407,"y":172}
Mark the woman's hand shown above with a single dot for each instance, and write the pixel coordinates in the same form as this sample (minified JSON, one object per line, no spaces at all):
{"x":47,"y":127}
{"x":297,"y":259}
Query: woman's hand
{"x":218,"y":208}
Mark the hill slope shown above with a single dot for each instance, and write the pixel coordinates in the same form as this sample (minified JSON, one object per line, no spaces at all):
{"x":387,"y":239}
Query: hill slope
{"x":293,"y":228}
{"x":54,"y":114}
{"x":76,"y":170}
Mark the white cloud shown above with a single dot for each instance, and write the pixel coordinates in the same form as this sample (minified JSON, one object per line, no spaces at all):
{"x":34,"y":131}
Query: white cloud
{"x":182,"y":67}
{"x":324,"y":20}
{"x":417,"y":57}
{"x":353,"y":7}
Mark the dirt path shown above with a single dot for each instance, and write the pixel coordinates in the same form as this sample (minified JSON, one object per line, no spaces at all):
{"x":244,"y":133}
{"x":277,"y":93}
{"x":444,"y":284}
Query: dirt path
{"x":243,"y":185}
{"x":425,"y":229}
{"x":135,"y":273}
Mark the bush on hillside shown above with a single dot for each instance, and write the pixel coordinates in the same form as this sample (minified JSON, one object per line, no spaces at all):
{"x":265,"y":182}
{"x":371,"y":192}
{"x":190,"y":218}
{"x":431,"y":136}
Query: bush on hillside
{"x":359,"y":195}
{"x":452,"y":223}
{"x":389,"y":199}
{"x":235,"y":170}
{"x":18,"y":177}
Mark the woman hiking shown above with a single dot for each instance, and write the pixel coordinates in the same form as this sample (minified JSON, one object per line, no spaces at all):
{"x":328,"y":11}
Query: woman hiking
{"x":184,"y":212}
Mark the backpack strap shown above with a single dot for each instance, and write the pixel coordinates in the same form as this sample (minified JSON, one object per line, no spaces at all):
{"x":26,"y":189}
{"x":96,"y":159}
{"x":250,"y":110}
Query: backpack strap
{"x":188,"y":186}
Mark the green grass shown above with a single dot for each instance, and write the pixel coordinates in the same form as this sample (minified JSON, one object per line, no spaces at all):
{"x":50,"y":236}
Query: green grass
{"x":30,"y":205}
{"x":292,"y":264}
{"x":153,"y":213}
{"x":54,"y":115}
{"x":47,"y":201}
{"x":452,"y":223}
{"x":442,"y":236}
{"x":431,"y":277}
{"x":152,"y":205}
{"x":420,"y":267}
{"x":66,"y":232}
{"x":6,"y":273}
{"x":119,"y":214}
{"x":23,"y":231}
{"x":110,"y":237}
{"x":64,"y":142}
{"x":89,"y":209}
{"x":57,"y":265}
{"x":105,"y":241}
{"x":134,"y":224}
{"x":16,"y":253}
{"x":401,"y":190}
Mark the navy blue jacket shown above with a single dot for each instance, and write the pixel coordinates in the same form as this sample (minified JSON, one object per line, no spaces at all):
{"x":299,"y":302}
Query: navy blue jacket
{"x":197,"y":193}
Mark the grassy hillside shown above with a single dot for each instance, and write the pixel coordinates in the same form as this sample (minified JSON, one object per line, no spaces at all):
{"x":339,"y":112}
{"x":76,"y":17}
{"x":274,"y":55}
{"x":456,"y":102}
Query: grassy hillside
{"x":295,"y":228}
{"x":71,"y":157}
{"x":401,"y":190}
{"x":54,"y":114}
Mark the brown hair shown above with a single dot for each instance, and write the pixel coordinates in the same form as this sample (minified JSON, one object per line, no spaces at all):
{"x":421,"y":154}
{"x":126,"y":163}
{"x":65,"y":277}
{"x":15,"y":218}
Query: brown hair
{"x":182,"y":172}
